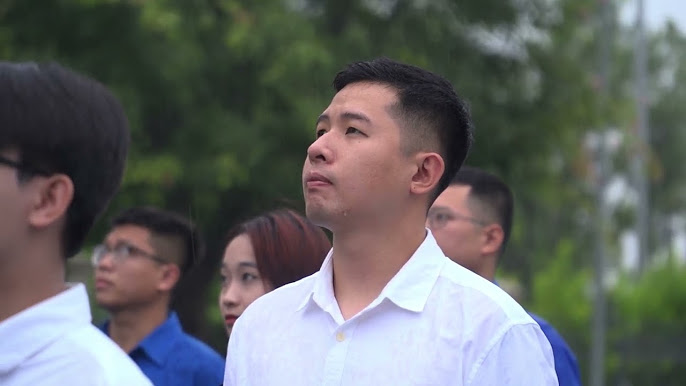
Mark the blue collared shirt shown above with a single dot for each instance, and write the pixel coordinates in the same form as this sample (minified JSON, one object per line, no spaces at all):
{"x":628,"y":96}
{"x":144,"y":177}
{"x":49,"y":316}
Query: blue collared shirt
{"x":566,"y":366}
{"x":170,"y":357}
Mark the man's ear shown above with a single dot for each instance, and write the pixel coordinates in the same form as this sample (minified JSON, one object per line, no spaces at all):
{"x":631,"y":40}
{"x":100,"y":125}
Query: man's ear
{"x":429,"y":170}
{"x":52,"y":197}
{"x":493,"y":239}
{"x":171,"y":273}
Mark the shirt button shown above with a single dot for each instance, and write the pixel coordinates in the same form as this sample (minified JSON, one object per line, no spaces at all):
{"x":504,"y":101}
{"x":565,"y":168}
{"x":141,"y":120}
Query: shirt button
{"x":340,"y":337}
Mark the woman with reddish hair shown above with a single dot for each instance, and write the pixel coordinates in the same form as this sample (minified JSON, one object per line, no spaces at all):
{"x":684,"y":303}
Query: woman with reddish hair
{"x":264,"y":253}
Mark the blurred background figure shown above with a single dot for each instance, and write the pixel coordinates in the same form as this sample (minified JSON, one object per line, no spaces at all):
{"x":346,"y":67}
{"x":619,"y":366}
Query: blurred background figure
{"x":471,"y":221}
{"x":137,"y":267}
{"x":264,"y":253}
{"x":63,"y":146}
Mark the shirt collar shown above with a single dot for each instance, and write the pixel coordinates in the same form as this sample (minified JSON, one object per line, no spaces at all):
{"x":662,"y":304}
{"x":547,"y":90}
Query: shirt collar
{"x":31,"y":330}
{"x":322,"y":290}
{"x":160,"y":341}
{"x":408,"y":289}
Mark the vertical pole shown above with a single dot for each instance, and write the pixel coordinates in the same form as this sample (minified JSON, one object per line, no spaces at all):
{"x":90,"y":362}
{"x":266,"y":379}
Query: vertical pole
{"x":642,"y":138}
{"x":597,"y":357}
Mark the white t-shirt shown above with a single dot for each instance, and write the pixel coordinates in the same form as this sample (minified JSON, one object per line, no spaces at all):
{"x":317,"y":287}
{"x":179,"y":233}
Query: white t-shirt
{"x":54,"y":343}
{"x":435,"y":323}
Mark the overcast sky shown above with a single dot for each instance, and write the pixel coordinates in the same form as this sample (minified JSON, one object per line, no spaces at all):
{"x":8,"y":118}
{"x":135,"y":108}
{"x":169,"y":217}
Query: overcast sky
{"x":657,"y":12}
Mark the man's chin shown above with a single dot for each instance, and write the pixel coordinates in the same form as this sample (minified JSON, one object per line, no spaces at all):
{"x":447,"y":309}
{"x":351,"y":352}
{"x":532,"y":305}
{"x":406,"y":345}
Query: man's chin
{"x":109,"y":305}
{"x":318,"y":215}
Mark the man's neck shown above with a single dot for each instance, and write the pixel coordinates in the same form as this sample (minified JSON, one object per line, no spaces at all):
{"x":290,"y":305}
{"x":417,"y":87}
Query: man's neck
{"x":488,"y":268}
{"x":27,"y":280}
{"x":366,"y":259}
{"x":129,"y":327}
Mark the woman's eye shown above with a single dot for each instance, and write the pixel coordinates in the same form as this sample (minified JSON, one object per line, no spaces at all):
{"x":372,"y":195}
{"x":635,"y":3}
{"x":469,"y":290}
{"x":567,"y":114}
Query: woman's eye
{"x":352,"y":130}
{"x":320,"y":132}
{"x":248,"y":277}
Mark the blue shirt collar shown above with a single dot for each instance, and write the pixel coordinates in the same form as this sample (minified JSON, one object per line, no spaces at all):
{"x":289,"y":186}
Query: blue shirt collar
{"x":160,"y":341}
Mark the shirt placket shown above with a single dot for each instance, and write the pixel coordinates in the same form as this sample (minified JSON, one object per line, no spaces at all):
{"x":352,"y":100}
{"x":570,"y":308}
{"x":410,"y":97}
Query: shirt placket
{"x":336,"y":357}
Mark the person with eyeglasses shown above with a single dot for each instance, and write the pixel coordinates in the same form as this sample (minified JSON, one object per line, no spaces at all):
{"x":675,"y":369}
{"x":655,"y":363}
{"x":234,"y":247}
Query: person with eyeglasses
{"x":471,"y":221}
{"x":137,"y":267}
{"x":63,"y":146}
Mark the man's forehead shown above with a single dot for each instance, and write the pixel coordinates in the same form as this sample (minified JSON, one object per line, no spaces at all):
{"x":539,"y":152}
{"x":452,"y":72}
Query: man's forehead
{"x":453,"y":196}
{"x":358,"y":92}
{"x":128,"y":232}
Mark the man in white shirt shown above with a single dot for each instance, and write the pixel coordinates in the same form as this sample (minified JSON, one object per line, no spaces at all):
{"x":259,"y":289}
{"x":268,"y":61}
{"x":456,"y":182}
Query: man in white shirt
{"x":63,"y":145}
{"x":387,"y":307}
{"x":471,"y":221}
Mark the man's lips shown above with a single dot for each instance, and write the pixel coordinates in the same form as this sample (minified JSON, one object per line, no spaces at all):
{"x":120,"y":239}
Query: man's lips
{"x":314,"y":180}
{"x":101,"y":283}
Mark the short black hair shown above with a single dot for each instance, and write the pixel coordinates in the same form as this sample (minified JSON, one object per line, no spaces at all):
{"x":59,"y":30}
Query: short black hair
{"x":427,"y":101}
{"x":167,"y":224}
{"x":63,"y":122}
{"x":490,"y":191}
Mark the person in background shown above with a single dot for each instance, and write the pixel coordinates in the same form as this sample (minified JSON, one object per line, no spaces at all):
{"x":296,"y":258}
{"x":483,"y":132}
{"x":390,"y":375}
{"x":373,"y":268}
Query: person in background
{"x":265,"y":253}
{"x":64,"y":139}
{"x":137,"y":267}
{"x":471,"y":221}
{"x":382,"y":309}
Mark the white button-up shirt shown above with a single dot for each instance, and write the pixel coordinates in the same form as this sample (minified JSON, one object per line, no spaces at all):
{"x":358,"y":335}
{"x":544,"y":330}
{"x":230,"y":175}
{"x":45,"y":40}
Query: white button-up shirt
{"x":435,"y":323}
{"x":54,"y":343}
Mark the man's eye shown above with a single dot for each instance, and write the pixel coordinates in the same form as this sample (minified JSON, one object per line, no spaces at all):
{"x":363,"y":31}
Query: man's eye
{"x":123,"y":250}
{"x":441,"y":217}
{"x":352,"y":130}
{"x":320,"y":132}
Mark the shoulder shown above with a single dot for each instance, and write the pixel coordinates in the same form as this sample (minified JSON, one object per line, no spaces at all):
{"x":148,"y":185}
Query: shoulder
{"x":470,"y":293}
{"x":284,"y":300}
{"x":100,"y":358}
{"x":557,"y":342}
{"x":270,"y":313}
{"x":547,"y":328}
{"x":197,"y":351}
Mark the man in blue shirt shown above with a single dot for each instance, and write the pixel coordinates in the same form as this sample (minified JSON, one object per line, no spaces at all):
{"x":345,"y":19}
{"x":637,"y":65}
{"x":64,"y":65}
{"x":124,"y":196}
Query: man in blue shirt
{"x":471,"y":221}
{"x":136,"y":270}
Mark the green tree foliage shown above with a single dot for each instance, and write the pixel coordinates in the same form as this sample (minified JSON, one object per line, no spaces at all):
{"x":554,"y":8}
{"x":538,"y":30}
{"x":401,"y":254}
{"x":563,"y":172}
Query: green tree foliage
{"x":222,"y":96}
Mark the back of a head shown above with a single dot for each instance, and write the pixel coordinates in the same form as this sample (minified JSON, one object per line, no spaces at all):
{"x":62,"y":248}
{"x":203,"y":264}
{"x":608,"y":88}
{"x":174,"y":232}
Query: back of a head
{"x":434,"y":116}
{"x":162,"y":223}
{"x":61,"y":122}
{"x":492,"y":195}
{"x":287,"y":246}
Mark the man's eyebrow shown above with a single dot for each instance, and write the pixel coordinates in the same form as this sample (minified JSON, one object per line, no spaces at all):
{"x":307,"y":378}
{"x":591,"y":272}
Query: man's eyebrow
{"x":356,"y":116}
{"x":322,"y":118}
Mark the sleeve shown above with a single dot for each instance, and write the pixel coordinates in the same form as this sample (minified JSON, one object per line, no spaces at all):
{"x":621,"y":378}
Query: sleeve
{"x":566,"y":366}
{"x":521,"y":356}
{"x":229,"y":368}
{"x":234,"y":358}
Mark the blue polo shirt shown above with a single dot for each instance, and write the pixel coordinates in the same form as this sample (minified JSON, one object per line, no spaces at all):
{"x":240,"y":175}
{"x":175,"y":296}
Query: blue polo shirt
{"x":170,"y":357}
{"x":566,"y":366}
